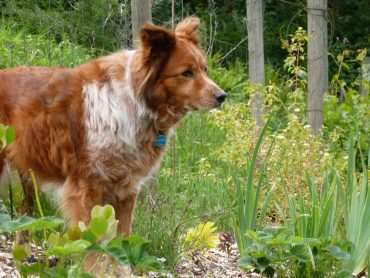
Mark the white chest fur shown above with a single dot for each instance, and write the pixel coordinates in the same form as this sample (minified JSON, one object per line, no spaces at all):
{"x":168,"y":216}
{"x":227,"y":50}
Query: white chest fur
{"x":113,"y":115}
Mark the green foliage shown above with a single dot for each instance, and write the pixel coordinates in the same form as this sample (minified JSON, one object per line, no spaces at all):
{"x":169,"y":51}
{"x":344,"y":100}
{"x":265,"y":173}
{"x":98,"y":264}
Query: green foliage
{"x":276,"y":251}
{"x":99,"y":24}
{"x":232,"y":80}
{"x":100,"y":237}
{"x":247,"y":196}
{"x":28,"y":223}
{"x":357,"y":212}
{"x":7,"y":136}
{"x":308,"y":245}
{"x":346,"y":110}
{"x":315,"y":215}
{"x":20,"y":48}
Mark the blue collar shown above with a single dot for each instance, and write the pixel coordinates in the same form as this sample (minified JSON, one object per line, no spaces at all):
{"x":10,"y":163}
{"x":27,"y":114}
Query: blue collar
{"x":160,"y":141}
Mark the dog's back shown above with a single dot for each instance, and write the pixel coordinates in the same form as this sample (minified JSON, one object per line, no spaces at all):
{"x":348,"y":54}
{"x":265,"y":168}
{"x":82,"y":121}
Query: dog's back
{"x":41,"y":104}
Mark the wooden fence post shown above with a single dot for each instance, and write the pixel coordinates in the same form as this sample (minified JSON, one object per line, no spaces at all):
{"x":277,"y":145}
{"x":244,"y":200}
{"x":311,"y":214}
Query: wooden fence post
{"x":317,"y":62}
{"x":256,"y":66}
{"x":365,"y":76}
{"x":140,"y":14}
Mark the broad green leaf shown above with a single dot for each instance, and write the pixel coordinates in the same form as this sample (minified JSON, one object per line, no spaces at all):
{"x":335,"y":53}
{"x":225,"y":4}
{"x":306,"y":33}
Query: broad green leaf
{"x":98,"y":226}
{"x":34,"y":269}
{"x":149,"y":263}
{"x":69,"y":248}
{"x":246,"y":262}
{"x":89,"y":236}
{"x":301,"y":252}
{"x":9,"y":135}
{"x":263,"y":262}
{"x":53,"y":239}
{"x":338,"y":253}
{"x":277,"y":241}
{"x":269,"y":271}
{"x":4,"y":218}
{"x":58,"y":272}
{"x":17,"y":225}
{"x":118,"y":254}
{"x":106,"y":212}
{"x":19,"y":252}
{"x":46,"y":222}
{"x":74,"y":233}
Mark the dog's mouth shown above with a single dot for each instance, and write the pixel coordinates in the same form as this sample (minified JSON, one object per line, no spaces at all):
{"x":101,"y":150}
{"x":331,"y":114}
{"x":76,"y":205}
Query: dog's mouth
{"x":203,"y":104}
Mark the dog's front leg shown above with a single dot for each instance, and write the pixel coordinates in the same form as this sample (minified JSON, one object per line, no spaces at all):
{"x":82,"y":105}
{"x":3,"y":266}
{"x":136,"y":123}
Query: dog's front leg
{"x":79,"y":197}
{"x":124,"y":213}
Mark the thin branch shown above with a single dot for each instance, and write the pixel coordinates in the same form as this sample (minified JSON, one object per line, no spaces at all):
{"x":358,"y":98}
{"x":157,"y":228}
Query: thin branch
{"x":232,"y":50}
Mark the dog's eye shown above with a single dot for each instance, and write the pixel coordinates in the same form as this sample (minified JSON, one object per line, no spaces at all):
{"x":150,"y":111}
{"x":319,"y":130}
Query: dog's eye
{"x":206,"y":69}
{"x":188,"y":73}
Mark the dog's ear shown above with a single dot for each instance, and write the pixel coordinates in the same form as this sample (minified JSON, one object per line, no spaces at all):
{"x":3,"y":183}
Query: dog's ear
{"x":156,"y":43}
{"x":189,"y":28}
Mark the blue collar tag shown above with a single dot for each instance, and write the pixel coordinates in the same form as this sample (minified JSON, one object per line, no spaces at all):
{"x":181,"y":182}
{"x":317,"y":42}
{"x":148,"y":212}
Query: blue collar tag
{"x":161,"y":141}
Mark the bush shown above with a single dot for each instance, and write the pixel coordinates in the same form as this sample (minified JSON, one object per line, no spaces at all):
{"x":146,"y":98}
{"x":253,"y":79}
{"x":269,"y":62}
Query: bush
{"x":20,"y":48}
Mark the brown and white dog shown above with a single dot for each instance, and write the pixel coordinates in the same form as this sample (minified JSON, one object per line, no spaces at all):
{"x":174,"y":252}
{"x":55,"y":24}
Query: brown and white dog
{"x":96,"y":132}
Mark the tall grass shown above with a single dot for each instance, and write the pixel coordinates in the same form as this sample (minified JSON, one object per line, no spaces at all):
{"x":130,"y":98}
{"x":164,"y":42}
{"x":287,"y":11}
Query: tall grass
{"x":248,"y":196}
{"x":357,"y":212}
{"x":192,"y":187}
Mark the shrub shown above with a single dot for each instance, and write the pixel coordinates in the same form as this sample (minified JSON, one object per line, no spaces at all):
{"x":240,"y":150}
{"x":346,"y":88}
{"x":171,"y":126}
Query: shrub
{"x":20,"y":48}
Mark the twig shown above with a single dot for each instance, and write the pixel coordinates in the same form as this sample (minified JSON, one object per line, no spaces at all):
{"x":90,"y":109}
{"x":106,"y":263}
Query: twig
{"x":232,"y":49}
{"x":37,"y":198}
{"x":180,"y":221}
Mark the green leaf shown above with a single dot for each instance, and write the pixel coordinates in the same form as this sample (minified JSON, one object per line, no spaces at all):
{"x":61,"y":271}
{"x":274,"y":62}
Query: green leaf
{"x":98,"y":226}
{"x":53,"y":239}
{"x":246,"y":262}
{"x":17,"y":225}
{"x":58,"y":272}
{"x":269,"y":271}
{"x":106,"y":212}
{"x":34,"y":269}
{"x":277,"y":241}
{"x":9,"y":135}
{"x":77,"y":246}
{"x":301,"y":252}
{"x":263,"y":262}
{"x":149,"y":263}
{"x":47,"y":222}
{"x":4,"y":218}
{"x":74,"y":233}
{"x":118,"y":254}
{"x":19,"y":252}
{"x":338,"y":253}
{"x":89,"y":236}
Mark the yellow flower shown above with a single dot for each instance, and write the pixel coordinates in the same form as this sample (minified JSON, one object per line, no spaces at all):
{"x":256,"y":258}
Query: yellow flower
{"x":202,"y":237}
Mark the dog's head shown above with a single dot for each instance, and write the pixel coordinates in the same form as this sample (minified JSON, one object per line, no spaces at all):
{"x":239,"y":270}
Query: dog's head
{"x":176,"y":81}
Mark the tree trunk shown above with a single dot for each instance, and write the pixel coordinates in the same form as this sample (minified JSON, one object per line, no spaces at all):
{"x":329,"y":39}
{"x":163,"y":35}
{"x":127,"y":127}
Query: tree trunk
{"x":256,"y":57}
{"x":140,"y":14}
{"x":317,"y":60}
{"x":365,"y":76}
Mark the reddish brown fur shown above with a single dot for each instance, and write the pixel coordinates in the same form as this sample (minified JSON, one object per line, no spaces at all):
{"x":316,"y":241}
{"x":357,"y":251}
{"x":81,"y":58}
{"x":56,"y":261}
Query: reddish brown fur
{"x":46,"y":108}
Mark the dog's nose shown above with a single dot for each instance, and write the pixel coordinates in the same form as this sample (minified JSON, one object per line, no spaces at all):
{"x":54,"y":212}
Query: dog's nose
{"x":220,"y":96}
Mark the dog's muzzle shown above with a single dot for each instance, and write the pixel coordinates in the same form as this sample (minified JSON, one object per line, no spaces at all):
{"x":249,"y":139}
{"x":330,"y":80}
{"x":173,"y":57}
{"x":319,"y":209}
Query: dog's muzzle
{"x":220,"y":96}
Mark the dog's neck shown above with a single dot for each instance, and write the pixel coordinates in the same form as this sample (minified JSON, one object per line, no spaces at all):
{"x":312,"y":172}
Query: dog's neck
{"x":141,"y":80}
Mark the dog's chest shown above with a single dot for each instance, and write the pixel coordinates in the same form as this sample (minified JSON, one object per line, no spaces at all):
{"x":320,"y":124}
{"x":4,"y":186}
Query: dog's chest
{"x":119,"y":140}
{"x":122,"y":172}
